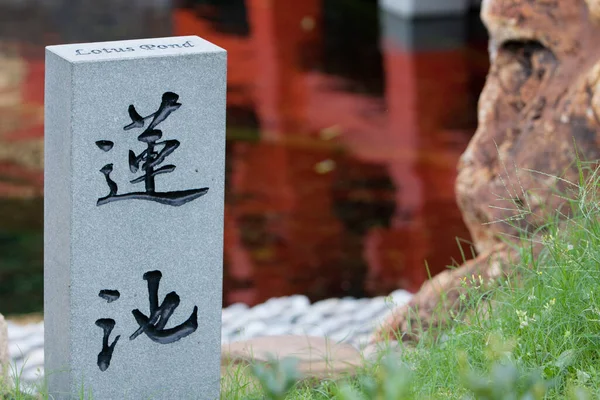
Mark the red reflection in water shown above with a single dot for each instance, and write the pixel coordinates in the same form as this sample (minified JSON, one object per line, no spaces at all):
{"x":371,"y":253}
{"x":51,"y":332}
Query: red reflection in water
{"x":338,"y":193}
{"x":424,"y":90}
{"x":283,"y":232}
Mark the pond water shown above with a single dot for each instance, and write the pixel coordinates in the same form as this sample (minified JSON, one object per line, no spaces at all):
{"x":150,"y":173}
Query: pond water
{"x":345,"y":125}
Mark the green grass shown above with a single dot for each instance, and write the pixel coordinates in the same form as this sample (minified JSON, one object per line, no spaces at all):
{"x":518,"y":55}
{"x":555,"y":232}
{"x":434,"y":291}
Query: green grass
{"x":534,"y":336}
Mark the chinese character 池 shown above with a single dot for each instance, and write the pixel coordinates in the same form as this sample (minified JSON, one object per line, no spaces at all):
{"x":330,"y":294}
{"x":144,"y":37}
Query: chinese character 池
{"x":153,"y":325}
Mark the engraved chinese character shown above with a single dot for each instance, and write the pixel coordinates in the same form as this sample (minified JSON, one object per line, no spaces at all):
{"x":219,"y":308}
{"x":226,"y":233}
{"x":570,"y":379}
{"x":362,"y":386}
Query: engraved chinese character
{"x":150,"y":159}
{"x":152,"y":325}
{"x":105,"y":355}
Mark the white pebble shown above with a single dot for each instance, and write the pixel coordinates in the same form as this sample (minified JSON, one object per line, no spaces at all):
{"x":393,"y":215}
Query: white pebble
{"x":347,"y":320}
{"x":325,"y":306}
{"x":233,"y":311}
{"x":310,"y":318}
{"x":35,"y":358}
{"x":400,"y":297}
{"x":253,"y":329}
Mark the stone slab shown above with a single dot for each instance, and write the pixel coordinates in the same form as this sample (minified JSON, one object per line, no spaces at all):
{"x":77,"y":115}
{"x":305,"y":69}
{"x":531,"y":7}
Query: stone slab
{"x":374,"y":351}
{"x":318,"y":357}
{"x":134,"y":201}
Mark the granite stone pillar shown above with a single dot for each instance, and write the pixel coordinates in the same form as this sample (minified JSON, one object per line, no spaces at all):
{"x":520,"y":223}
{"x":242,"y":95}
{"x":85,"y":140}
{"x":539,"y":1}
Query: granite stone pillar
{"x":134,"y":184}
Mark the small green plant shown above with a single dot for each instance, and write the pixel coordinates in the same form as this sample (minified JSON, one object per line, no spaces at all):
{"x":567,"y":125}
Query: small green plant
{"x":14,"y":389}
{"x":277,"y":379}
{"x":391,"y":381}
{"x":505,"y":382}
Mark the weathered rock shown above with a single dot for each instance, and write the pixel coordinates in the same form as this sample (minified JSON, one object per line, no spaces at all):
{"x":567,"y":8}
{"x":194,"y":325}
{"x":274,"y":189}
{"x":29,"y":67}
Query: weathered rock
{"x":3,"y":351}
{"x":594,"y":6}
{"x":542,"y":95}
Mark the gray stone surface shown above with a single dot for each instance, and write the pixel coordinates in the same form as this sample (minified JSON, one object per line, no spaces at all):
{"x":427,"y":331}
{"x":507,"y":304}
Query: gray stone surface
{"x":426,"y":8}
{"x":98,"y":239}
{"x":3,"y":349}
{"x":423,"y":34}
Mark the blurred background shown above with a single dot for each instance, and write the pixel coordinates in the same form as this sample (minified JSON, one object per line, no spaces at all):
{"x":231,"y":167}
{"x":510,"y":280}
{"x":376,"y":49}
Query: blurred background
{"x":345,"y":122}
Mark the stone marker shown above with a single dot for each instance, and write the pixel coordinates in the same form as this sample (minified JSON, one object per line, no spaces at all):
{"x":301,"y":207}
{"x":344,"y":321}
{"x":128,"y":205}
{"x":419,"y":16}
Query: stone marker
{"x":134,"y":186}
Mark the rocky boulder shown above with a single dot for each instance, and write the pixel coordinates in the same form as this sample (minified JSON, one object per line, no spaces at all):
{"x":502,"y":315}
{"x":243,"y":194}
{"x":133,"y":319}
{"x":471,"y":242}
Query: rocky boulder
{"x":541,"y":101}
